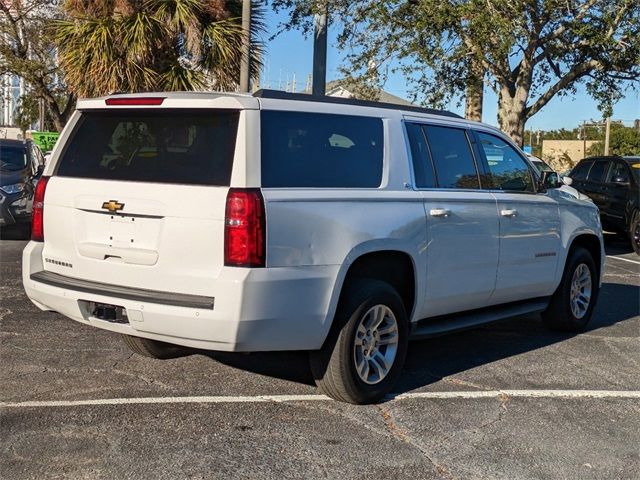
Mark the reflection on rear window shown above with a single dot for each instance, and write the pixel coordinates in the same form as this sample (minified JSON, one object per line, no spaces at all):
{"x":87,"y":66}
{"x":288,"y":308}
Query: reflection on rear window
{"x":165,"y":146}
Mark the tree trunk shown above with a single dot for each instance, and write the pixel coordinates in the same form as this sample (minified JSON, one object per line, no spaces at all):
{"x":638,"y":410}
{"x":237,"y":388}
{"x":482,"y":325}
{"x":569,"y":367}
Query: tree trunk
{"x":60,"y":116}
{"x":474,"y":92}
{"x":512,"y":112}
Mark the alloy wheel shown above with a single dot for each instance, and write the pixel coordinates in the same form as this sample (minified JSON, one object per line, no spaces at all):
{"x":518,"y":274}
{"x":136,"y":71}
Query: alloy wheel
{"x":375,"y":344}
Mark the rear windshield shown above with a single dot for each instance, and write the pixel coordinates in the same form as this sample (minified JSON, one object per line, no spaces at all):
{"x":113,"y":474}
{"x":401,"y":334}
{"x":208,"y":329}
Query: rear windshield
{"x":164,"y":146}
{"x":13,"y":157}
{"x":321,"y":150}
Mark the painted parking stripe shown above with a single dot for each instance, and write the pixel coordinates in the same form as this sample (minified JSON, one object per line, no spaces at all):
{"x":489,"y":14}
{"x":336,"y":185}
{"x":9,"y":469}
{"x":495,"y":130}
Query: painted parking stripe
{"x":309,"y":398}
{"x":624,"y":259}
{"x":523,"y":394}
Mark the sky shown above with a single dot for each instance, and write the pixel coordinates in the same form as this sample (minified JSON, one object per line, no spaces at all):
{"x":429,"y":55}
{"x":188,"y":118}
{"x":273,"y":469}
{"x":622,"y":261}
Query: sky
{"x":290,"y":53}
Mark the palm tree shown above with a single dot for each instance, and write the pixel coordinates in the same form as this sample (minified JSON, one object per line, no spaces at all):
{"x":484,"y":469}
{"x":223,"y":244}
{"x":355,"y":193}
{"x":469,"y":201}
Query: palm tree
{"x":144,"y":45}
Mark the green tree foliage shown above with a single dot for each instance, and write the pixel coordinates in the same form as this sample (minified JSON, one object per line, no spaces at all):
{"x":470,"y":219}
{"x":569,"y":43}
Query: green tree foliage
{"x":27,"y":50}
{"x":529,"y":50}
{"x":27,"y":111}
{"x":622,"y":141}
{"x":144,"y":45}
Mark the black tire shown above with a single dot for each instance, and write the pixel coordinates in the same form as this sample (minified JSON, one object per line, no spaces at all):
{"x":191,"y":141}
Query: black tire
{"x":334,"y":366}
{"x":152,"y":348}
{"x":559,"y":315}
{"x":634,"y":232}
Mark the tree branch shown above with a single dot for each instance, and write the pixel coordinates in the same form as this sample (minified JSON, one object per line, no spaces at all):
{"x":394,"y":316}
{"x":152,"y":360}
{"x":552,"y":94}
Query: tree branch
{"x":578,"y":71}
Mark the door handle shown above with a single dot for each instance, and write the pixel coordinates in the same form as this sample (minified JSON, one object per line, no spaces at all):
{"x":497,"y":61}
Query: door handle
{"x":439,"y":212}
{"x":509,"y":212}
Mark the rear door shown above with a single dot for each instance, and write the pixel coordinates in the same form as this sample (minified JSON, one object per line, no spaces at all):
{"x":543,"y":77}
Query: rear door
{"x":529,"y":224}
{"x":462,"y":220}
{"x":137,"y":198}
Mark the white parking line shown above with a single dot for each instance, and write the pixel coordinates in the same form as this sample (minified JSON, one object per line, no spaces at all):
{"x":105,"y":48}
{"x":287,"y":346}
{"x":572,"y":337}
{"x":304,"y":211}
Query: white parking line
{"x":633,"y":394}
{"x":624,"y":259}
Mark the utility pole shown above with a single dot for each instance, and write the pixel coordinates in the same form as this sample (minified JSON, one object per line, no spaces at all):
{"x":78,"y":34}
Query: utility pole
{"x":584,"y":138}
{"x":246,"y":45}
{"x":319,"y":85}
{"x":606,"y":136}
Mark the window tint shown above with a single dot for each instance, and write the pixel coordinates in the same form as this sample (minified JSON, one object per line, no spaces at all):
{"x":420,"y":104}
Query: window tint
{"x":619,"y":172}
{"x":422,"y":167}
{"x":508,"y":170}
{"x":320,"y":150}
{"x":166,"y":146}
{"x":597,"y":171}
{"x":580,"y":171}
{"x":452,"y":157}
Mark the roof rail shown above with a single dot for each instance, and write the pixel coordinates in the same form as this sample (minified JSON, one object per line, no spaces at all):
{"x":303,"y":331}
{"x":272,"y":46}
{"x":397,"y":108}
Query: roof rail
{"x":305,"y":97}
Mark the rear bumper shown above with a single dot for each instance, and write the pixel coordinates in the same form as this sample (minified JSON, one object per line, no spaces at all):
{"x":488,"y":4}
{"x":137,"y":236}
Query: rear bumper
{"x":252,"y":309}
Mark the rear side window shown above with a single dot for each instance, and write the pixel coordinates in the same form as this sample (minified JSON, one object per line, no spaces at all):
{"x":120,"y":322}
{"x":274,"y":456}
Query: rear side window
{"x":452,"y":158}
{"x":164,"y":146}
{"x":581,"y":170}
{"x":316,"y":150}
{"x":597,"y":171}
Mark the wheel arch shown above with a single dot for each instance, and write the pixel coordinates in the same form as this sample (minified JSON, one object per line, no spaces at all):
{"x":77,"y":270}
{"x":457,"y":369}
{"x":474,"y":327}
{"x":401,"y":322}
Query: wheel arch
{"x":592,"y":243}
{"x":378,"y":263}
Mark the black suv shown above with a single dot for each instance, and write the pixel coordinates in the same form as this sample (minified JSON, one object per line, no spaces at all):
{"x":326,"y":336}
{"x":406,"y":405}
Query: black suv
{"x":613,"y":183}
{"x":21,"y":164}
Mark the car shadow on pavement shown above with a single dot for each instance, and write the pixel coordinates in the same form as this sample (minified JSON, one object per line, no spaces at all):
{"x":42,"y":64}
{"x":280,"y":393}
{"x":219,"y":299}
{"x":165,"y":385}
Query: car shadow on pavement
{"x":617,"y":244}
{"x":15,"y":232}
{"x":429,"y":361}
{"x":432,"y":360}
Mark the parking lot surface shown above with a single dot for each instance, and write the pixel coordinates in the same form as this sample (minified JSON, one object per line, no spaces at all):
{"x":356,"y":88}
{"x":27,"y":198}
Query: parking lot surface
{"x":510,"y":400}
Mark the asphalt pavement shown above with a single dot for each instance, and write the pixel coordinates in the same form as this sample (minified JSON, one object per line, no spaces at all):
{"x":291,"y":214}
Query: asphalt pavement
{"x":509,"y":400}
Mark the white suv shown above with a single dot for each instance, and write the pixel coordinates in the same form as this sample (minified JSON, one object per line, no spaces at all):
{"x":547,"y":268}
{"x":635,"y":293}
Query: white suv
{"x":289,"y":222}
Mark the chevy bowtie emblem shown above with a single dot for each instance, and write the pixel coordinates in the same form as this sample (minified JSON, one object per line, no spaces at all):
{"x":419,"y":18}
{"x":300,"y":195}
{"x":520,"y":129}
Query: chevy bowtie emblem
{"x":113,"y":206}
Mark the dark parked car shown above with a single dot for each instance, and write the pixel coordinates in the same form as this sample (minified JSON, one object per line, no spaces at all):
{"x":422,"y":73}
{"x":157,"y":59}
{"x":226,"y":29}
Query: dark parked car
{"x":613,"y":183}
{"x":21,"y":164}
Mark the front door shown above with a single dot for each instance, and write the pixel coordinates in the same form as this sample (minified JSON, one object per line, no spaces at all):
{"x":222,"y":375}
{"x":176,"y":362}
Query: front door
{"x":529,"y":225}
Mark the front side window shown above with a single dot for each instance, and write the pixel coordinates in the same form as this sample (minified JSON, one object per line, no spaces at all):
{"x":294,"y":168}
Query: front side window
{"x":452,"y":157}
{"x":618,"y":173}
{"x":508,"y":170}
{"x":163,"y":146}
{"x":316,"y":150}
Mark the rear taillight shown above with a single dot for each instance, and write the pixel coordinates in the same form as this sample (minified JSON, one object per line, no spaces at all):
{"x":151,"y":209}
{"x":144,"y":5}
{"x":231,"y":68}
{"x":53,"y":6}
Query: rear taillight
{"x":244,"y":231}
{"x":37,"y":220}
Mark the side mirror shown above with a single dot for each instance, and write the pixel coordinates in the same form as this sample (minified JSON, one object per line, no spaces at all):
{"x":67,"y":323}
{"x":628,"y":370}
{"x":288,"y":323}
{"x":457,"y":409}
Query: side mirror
{"x":568,"y":181}
{"x":39,"y":171}
{"x":550,"y":180}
